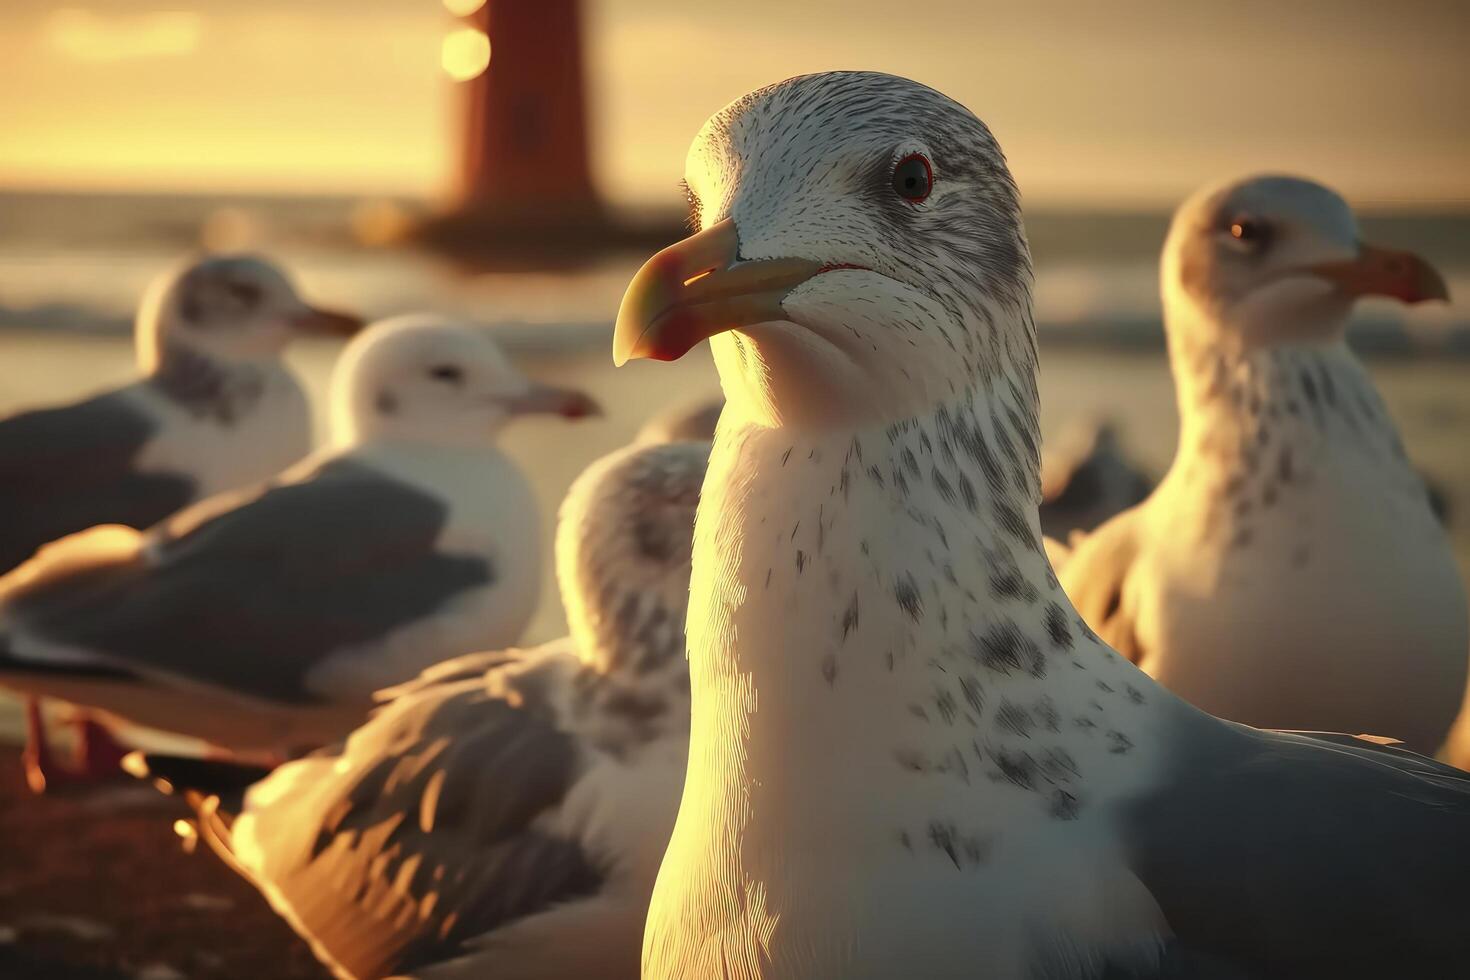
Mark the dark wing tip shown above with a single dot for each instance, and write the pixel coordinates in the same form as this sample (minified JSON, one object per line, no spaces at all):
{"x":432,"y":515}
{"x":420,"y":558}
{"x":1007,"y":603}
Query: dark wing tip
{"x":224,"y":778}
{"x":13,"y":665}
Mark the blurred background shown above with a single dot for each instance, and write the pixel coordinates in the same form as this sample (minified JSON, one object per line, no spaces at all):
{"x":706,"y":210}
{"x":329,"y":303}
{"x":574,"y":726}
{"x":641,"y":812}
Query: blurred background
{"x":515,"y":162}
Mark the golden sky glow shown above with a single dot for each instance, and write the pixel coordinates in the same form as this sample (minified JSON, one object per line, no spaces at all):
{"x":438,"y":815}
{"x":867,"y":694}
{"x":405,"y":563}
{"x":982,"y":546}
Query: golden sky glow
{"x":1131,"y":101}
{"x":81,"y":35}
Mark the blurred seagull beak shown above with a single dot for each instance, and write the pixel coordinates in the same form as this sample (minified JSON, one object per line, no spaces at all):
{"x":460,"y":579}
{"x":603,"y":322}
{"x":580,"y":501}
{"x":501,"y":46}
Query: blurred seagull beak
{"x":697,"y":288}
{"x":1385,"y":272}
{"x":539,"y":399}
{"x":329,"y":323}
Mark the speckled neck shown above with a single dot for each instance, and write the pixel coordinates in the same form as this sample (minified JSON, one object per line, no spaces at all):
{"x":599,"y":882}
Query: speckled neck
{"x":635,"y":687}
{"x":636,"y":635}
{"x":205,"y":387}
{"x":879,"y":602}
{"x":1255,"y":424}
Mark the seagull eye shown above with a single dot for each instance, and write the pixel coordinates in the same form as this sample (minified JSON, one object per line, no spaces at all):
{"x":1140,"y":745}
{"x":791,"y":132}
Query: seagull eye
{"x":1249,"y":234}
{"x":913,"y":178}
{"x":447,"y":373}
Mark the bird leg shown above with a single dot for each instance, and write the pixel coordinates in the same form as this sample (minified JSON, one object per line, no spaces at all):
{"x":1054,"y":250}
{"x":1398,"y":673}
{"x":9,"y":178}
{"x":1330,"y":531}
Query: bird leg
{"x":99,"y":755}
{"x":37,"y":759}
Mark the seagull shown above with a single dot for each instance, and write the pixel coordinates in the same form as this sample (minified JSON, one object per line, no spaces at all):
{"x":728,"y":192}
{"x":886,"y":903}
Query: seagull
{"x":263,"y":620}
{"x":215,"y":407}
{"x":909,"y":756}
{"x":1289,"y":571}
{"x":504,"y":814}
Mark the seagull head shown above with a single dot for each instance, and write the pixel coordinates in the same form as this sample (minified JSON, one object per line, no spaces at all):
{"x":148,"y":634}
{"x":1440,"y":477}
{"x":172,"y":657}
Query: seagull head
{"x":231,"y":307}
{"x":859,"y":254}
{"x":1277,"y":260}
{"x":624,"y":540}
{"x":429,"y":379}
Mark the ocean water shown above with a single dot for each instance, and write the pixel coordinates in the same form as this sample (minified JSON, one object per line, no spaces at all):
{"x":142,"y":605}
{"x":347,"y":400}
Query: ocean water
{"x":71,"y":269}
{"x":79,"y":262}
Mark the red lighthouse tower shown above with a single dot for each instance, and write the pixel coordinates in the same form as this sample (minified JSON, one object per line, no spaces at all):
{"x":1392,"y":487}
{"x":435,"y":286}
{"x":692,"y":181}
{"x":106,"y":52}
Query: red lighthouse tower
{"x":525,"y":194}
{"x":525,"y":154}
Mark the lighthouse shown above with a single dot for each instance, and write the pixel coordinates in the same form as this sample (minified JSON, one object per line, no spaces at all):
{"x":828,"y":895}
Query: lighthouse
{"x":525,"y":141}
{"x":524,"y":190}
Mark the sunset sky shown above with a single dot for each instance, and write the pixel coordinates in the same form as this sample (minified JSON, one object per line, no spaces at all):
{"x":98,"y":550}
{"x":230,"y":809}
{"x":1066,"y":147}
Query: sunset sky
{"x":1125,"y":102}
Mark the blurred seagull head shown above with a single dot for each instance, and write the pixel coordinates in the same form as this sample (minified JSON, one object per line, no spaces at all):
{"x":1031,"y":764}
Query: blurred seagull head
{"x":230,"y":308}
{"x":426,"y":378}
{"x":1276,"y":260}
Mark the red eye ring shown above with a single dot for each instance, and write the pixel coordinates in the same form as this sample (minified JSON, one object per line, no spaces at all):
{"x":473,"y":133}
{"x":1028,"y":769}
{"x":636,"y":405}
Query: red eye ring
{"x":913,"y":178}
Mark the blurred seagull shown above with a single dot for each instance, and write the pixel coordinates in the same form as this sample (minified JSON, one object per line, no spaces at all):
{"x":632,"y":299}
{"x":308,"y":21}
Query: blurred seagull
{"x":215,"y":408}
{"x":264,"y":620}
{"x":909,"y":757}
{"x":1289,"y":571}
{"x":503,"y":815}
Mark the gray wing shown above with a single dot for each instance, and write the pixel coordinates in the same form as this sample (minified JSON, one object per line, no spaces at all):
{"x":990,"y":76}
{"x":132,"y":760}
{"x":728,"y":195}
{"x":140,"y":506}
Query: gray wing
{"x":1289,"y":855}
{"x":252,"y":597}
{"x":63,"y":470}
{"x":421,"y":839}
{"x":1094,"y":577}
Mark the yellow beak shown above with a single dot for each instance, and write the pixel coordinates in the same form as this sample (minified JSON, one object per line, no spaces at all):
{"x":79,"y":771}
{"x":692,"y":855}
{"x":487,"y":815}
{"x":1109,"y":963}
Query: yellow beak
{"x":697,"y":288}
{"x":1385,"y":272}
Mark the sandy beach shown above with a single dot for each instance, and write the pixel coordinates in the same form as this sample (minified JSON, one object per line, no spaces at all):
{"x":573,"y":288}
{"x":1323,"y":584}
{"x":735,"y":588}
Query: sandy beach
{"x":98,"y":887}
